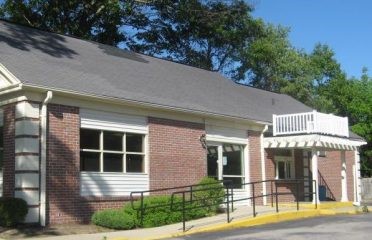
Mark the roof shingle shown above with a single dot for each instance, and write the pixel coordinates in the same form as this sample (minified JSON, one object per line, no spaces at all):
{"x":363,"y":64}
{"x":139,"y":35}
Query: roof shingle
{"x":55,"y":61}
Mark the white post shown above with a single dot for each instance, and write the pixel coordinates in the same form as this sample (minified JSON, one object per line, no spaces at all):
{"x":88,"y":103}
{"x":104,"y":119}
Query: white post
{"x":344,"y":197}
{"x":220,"y":162}
{"x":315,"y":122}
{"x":263,"y":165}
{"x":274,"y":125}
{"x":314,"y":170}
{"x":358,"y":198}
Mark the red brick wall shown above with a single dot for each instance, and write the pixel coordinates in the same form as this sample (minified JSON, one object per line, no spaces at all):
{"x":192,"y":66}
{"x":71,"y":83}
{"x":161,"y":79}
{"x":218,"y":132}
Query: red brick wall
{"x":350,"y":161}
{"x":289,"y":189}
{"x":63,"y":164}
{"x":254,"y":144}
{"x":177,"y":156}
{"x":9,"y":149}
{"x":330,"y":168}
{"x":63,"y":171}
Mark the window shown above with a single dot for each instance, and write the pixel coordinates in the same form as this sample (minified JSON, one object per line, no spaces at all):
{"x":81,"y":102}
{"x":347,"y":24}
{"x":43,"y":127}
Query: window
{"x":284,"y":167}
{"x":322,"y":154}
{"x":107,"y":151}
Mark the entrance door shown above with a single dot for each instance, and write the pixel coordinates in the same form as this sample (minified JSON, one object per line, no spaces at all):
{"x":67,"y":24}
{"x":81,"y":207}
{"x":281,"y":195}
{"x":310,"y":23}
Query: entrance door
{"x":212,"y":163}
{"x":226,"y":162}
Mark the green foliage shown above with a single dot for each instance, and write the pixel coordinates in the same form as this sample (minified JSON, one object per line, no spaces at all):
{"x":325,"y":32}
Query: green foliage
{"x":158,"y":210}
{"x":209,"y":194}
{"x":202,"y":33}
{"x":12,"y":211}
{"x":93,"y":20}
{"x":159,"y":213}
{"x":114,"y":218}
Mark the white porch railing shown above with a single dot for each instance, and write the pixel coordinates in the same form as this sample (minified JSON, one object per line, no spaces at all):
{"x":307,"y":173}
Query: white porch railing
{"x":310,"y":122}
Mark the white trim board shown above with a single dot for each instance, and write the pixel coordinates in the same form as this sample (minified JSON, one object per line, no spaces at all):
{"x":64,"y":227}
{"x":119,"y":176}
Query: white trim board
{"x":312,"y":141}
{"x":113,"y":121}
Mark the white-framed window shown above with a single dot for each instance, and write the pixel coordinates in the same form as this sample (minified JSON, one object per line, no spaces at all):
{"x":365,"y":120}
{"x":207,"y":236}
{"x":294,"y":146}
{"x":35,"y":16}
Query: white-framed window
{"x":284,"y":165}
{"x":322,"y":153}
{"x":111,"y":151}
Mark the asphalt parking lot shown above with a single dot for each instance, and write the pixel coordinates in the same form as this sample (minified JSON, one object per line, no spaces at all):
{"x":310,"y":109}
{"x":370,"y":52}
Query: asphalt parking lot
{"x":341,"y":227}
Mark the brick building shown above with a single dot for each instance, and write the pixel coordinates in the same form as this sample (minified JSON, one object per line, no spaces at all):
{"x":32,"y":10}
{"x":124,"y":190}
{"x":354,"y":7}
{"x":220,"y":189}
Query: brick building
{"x":84,"y":124}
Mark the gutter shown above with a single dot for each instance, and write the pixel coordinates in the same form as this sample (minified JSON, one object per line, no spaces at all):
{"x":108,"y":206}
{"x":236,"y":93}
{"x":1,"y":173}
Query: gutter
{"x":263,"y":166}
{"x":44,"y":125}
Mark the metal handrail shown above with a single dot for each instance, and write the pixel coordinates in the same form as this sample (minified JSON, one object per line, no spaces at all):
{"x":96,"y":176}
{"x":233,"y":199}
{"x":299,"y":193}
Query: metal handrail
{"x":141,"y":209}
{"x":253,"y":197}
{"x":228,"y":196}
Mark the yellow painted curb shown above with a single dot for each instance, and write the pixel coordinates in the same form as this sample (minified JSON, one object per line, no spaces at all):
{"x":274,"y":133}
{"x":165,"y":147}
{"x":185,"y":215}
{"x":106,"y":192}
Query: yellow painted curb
{"x":250,"y":222}
{"x":322,"y":205}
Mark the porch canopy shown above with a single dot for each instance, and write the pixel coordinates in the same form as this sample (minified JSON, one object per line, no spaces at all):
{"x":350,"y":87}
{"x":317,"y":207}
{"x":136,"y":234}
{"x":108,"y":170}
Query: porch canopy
{"x":316,"y":131}
{"x":320,"y":142}
{"x":317,"y":142}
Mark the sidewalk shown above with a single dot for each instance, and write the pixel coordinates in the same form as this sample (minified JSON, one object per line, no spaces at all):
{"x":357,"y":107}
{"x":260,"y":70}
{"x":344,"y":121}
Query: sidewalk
{"x":241,"y":217}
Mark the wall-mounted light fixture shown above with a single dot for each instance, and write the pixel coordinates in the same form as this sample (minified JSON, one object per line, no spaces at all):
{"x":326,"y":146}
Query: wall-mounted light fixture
{"x":203,"y":141}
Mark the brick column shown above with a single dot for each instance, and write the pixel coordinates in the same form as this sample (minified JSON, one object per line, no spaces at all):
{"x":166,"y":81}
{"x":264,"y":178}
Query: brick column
{"x":176,"y":154}
{"x":254,"y":144}
{"x":9,"y":155}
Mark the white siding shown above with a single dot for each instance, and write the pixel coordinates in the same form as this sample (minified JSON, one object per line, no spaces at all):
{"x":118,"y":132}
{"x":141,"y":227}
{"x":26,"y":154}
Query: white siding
{"x":112,"y":184}
{"x":26,"y":180}
{"x":241,"y":194}
{"x":26,"y":109}
{"x":226,"y":134}
{"x":113,"y":121}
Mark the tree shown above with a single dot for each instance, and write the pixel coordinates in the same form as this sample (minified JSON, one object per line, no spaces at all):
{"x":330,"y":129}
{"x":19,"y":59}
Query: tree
{"x":206,"y":34}
{"x":95,"y":20}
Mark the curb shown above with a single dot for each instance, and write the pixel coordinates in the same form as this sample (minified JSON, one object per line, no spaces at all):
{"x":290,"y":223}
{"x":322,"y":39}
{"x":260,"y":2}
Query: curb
{"x":250,"y":222}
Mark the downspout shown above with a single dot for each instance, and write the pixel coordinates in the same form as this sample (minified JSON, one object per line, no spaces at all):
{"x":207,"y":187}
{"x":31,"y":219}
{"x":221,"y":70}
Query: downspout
{"x":43,"y":143}
{"x":263,"y":165}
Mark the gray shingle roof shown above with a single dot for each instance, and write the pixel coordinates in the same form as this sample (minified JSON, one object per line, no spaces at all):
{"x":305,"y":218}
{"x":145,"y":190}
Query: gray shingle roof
{"x":55,"y":61}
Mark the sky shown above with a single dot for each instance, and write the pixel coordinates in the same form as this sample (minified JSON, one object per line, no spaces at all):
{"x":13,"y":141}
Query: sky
{"x":345,"y":25}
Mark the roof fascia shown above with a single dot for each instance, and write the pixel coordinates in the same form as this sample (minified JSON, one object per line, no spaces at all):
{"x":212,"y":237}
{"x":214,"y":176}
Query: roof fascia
{"x":27,"y":86}
{"x":7,"y":77}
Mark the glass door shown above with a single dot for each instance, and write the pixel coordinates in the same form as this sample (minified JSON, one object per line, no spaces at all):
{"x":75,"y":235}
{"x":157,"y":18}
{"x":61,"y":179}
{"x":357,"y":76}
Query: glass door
{"x":233,"y":164}
{"x":212,"y":164}
{"x":226,"y":162}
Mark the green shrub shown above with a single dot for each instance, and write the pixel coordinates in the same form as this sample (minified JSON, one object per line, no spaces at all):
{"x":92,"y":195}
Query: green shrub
{"x":158,"y":212}
{"x":12,"y":211}
{"x":209,"y":194}
{"x":114,"y":218}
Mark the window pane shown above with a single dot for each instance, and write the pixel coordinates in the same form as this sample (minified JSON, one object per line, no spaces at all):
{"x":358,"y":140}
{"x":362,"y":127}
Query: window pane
{"x":113,"y":141}
{"x":134,"y":163}
{"x":281,"y":170}
{"x":134,"y":142}
{"x":112,"y":162}
{"x":232,"y":159}
{"x":212,"y":164}
{"x":89,"y":161}
{"x":1,"y":137}
{"x":89,"y":139}
{"x":288,"y":169}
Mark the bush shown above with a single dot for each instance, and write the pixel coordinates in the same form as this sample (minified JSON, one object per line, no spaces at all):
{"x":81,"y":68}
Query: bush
{"x":12,"y":211}
{"x":210,"y":194}
{"x":114,"y":218}
{"x":158,"y":212}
